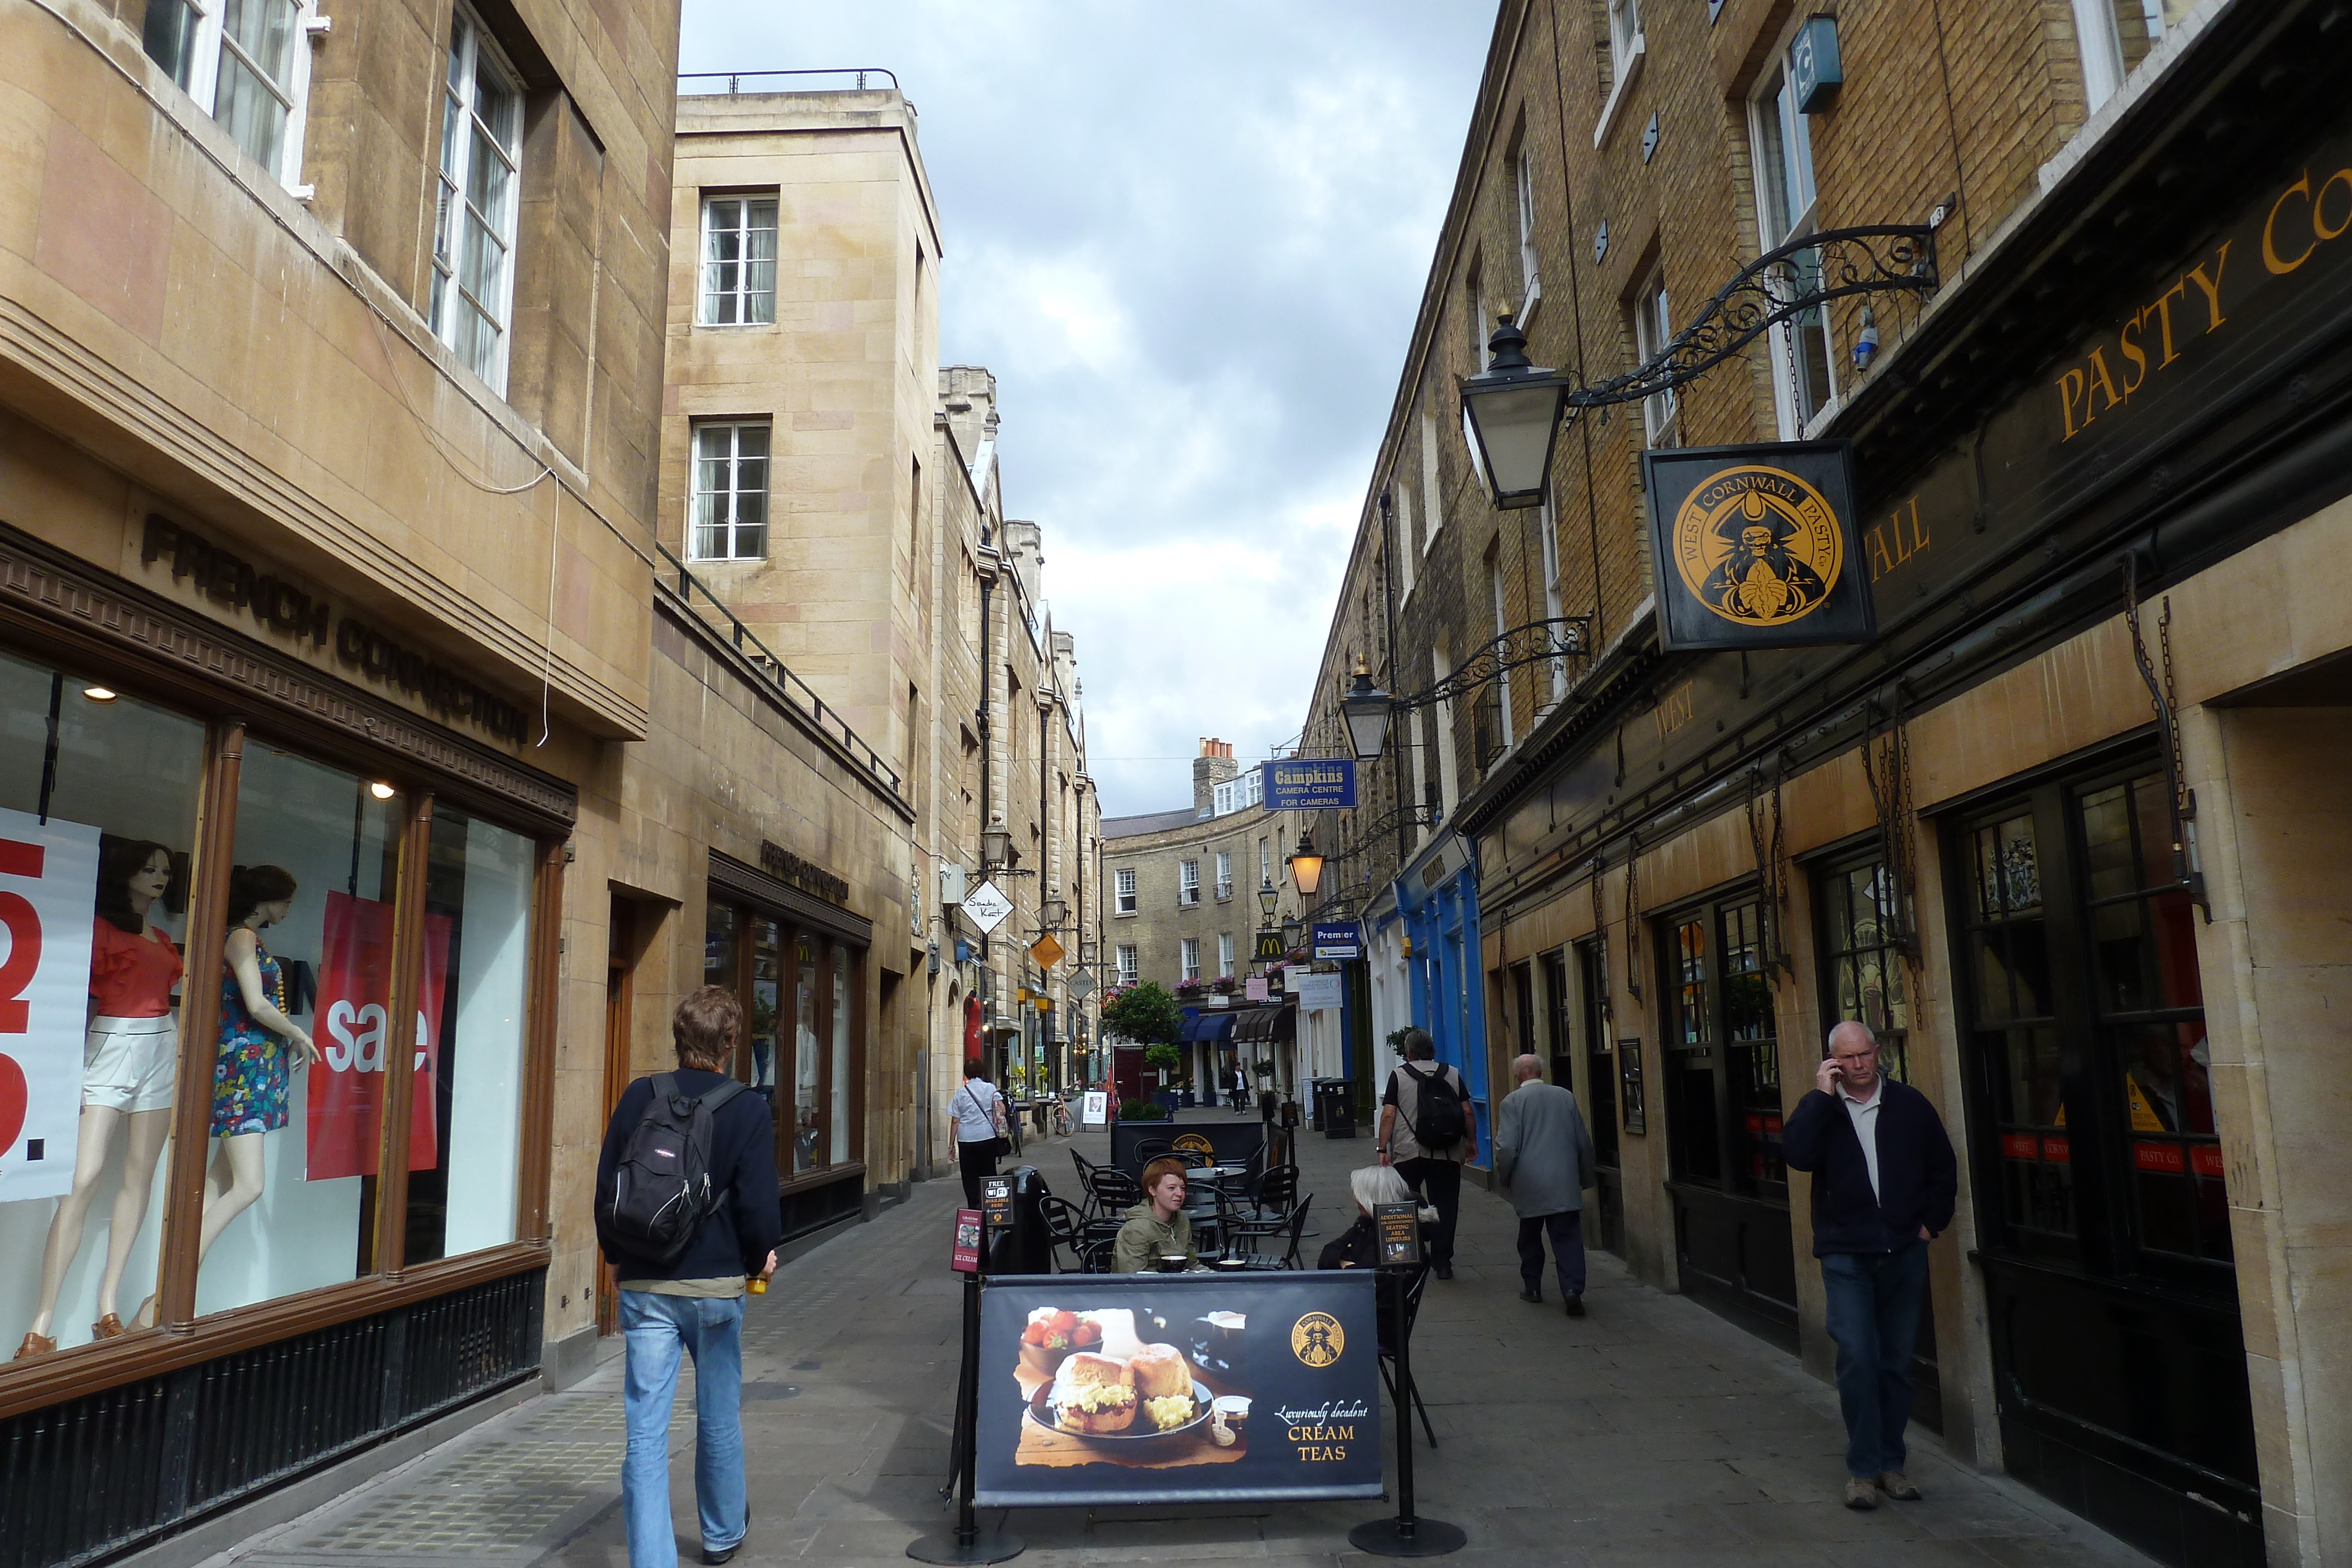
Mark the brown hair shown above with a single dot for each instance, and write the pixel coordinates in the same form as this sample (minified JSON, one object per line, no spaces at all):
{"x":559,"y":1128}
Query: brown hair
{"x":1165,"y":1165}
{"x":251,"y":887}
{"x":706,"y":1027}
{"x":119,"y":860}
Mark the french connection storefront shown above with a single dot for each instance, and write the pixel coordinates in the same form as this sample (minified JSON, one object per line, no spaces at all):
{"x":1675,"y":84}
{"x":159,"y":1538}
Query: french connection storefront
{"x":275,"y":1056}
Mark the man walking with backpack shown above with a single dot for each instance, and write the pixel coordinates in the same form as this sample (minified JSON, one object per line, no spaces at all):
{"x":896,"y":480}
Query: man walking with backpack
{"x":687,"y":1212}
{"x":1428,"y":1130}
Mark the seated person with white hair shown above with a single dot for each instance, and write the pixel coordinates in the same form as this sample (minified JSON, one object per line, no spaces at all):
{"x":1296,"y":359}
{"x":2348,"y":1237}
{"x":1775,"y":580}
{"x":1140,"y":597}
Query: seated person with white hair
{"x":1359,"y":1247}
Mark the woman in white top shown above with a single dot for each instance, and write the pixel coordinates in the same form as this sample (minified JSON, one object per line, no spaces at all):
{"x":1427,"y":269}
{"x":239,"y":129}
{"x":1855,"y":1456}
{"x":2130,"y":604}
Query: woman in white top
{"x":977,"y":1115}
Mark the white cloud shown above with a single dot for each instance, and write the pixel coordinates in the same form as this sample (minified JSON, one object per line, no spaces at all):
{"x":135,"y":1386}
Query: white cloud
{"x":1190,"y":243}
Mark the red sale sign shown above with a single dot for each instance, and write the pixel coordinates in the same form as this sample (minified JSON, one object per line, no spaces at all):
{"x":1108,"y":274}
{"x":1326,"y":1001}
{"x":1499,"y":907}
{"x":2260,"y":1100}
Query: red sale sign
{"x":354,"y":1037}
{"x":48,"y":894}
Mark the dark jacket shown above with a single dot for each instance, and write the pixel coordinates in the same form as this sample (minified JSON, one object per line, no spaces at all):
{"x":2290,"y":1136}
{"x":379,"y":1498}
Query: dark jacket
{"x":1918,"y":1180}
{"x":1358,"y":1247}
{"x":747,"y":1223}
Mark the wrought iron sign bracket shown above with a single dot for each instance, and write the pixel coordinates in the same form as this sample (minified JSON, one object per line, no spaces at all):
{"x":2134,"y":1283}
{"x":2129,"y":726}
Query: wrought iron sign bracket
{"x":1779,"y":285}
{"x":1422,"y":815}
{"x":1562,"y":637}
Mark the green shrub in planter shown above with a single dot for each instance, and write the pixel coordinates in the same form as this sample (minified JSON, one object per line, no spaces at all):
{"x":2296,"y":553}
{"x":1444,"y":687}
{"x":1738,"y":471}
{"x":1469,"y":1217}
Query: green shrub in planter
{"x":1141,"y":1111}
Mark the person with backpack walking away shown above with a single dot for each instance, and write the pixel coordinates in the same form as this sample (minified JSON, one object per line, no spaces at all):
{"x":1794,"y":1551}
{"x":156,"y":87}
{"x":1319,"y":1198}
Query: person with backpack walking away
{"x":687,"y":1213}
{"x":977,"y":1116}
{"x":1429,"y":1130}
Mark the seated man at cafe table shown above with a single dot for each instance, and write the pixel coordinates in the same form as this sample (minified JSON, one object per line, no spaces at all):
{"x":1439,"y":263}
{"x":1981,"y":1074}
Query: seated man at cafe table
{"x":1157,"y":1227}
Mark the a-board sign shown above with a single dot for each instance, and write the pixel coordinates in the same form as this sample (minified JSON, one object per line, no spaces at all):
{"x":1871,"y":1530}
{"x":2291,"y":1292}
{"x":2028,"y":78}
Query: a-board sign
{"x":1094,"y":1108}
{"x":965,"y":1255}
{"x":1158,"y":1388}
{"x":1399,"y":1226}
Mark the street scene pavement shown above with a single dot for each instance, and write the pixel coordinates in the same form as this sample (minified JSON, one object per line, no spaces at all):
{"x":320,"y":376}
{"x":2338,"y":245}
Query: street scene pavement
{"x":1649,"y":1431}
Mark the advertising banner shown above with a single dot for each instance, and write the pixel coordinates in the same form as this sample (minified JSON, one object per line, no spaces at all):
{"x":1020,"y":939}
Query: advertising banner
{"x":1234,"y":1142}
{"x":1756,"y":547}
{"x":49,"y":901}
{"x":1311,"y":784}
{"x":1317,"y":992}
{"x":354,"y":1037}
{"x":1158,"y":1388}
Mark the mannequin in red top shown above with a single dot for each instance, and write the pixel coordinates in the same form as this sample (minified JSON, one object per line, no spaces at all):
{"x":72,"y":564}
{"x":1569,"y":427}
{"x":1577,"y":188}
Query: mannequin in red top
{"x":129,"y":1063}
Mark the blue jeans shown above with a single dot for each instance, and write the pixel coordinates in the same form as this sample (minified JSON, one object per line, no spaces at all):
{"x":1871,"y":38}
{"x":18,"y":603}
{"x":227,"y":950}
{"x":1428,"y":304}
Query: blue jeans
{"x":656,"y":1329}
{"x":1873,"y":1316}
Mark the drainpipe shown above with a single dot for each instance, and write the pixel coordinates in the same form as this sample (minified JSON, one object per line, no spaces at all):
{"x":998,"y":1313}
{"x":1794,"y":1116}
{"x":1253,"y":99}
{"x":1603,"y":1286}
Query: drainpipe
{"x":986,"y":564}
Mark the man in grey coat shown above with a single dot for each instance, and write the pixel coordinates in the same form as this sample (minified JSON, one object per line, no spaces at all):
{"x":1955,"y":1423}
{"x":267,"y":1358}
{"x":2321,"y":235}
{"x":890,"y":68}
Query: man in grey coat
{"x":1543,"y":1159}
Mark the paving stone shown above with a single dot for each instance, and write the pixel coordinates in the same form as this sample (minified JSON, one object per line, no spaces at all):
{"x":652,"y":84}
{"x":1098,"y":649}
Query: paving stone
{"x":1650,"y":1432}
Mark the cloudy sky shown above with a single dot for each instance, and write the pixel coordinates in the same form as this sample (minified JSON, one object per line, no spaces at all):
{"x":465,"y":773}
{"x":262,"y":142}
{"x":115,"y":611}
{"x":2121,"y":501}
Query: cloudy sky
{"x":1190,"y":241}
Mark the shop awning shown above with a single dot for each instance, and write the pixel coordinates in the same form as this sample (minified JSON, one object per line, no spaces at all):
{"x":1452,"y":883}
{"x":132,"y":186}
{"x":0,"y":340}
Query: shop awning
{"x":1264,"y":1023}
{"x":1216,"y":1026}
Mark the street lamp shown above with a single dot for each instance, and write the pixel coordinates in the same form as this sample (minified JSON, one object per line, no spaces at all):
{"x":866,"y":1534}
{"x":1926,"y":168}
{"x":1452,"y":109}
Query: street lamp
{"x":1366,"y":709}
{"x":1305,"y":866}
{"x":1291,"y":929}
{"x":1052,"y":912}
{"x":995,"y":843}
{"x":1267,"y":897}
{"x":1514,"y":411}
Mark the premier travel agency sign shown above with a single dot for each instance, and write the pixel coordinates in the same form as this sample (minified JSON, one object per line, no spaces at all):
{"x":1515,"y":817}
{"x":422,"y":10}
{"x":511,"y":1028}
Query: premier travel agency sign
{"x":1191,"y":1387}
{"x":1754,"y":547}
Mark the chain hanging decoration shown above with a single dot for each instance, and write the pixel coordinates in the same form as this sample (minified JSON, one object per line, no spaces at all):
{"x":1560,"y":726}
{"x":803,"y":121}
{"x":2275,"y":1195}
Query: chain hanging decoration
{"x":2180,"y":800}
{"x":1886,"y":769}
{"x":1782,"y":285}
{"x":1771,"y":866}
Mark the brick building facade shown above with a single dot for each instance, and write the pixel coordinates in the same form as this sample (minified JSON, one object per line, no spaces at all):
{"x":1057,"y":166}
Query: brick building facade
{"x":1667,"y":873}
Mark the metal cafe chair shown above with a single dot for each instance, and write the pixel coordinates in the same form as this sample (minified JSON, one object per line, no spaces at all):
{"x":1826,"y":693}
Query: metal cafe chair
{"x":1087,"y":1172}
{"x":1286,"y":1228}
{"x":1275,"y":1192}
{"x":1116,"y":1192}
{"x":1388,"y":1350}
{"x":1149,"y":1149}
{"x":1097,"y":1256}
{"x":1066,"y":1226}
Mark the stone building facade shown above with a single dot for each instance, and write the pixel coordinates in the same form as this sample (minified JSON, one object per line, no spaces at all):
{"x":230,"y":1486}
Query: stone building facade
{"x":2098,"y":500}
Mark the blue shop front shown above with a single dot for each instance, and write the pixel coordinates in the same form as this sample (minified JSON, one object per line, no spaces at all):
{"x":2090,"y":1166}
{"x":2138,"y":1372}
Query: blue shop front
{"x":1437,"y":898}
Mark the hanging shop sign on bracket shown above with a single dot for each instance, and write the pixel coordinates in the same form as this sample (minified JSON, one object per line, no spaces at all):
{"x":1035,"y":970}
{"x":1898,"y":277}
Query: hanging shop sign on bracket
{"x":1757,"y":547}
{"x":1311,"y":784}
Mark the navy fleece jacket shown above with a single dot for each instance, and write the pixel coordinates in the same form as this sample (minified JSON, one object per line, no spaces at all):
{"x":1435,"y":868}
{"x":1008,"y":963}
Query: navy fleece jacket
{"x":735,"y":1237}
{"x":1918,"y":1180}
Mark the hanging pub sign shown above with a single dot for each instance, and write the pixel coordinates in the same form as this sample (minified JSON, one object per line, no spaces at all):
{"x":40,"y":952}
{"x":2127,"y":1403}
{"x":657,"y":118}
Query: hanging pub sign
{"x":1311,"y":784}
{"x":1755,"y":546}
{"x":1098,"y":1389}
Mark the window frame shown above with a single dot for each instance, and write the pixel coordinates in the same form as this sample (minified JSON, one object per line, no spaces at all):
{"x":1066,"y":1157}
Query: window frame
{"x":1122,"y":884}
{"x":1125,"y":963}
{"x":1735,"y":1099}
{"x":1651,"y":311}
{"x":1833,"y":875}
{"x":1523,"y":189}
{"x":1188,"y":884}
{"x":1224,"y":954}
{"x":443,"y":313}
{"x":1224,"y":875}
{"x":1625,"y":43}
{"x":703,"y":262}
{"x":695,"y":494}
{"x":1189,"y":951}
{"x":1775,"y":123}
{"x":197,"y":74}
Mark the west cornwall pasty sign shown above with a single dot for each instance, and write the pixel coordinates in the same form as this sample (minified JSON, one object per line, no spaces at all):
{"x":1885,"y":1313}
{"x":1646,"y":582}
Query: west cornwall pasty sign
{"x":1755,"y":546}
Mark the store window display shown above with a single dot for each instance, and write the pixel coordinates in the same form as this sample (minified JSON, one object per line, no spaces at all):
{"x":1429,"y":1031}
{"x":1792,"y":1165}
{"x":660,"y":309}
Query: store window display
{"x":97,"y":791}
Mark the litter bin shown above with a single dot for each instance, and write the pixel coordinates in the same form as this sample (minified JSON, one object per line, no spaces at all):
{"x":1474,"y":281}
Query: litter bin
{"x":1335,"y":1100}
{"x":1024,"y":1247}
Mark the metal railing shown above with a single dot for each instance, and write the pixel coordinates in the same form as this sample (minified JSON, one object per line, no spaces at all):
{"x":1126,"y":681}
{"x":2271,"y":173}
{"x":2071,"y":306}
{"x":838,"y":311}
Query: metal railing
{"x":735,"y":79}
{"x":796,"y":692}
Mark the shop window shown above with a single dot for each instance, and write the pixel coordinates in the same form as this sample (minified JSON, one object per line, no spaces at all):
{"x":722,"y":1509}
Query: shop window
{"x":291,"y":1199}
{"x":477,"y":887}
{"x":1865,"y":976}
{"x":1787,"y":209}
{"x":1600,"y":1061}
{"x":474,"y":231}
{"x":738,"y":261}
{"x":103,"y":789}
{"x":729,"y":518}
{"x":808,"y":1127}
{"x":841,"y":1143}
{"x":246,"y":64}
{"x":798,"y":992}
{"x":1724,"y":1108}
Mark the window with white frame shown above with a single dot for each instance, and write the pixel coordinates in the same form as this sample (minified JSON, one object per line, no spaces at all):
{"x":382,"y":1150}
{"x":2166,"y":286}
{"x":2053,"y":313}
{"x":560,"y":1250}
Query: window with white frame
{"x":1188,"y":881}
{"x":1502,"y":625}
{"x":1407,"y":547}
{"x":1192,"y":957}
{"x":474,"y":229}
{"x":2115,"y":35}
{"x":1123,"y":884}
{"x":1523,"y":183}
{"x":1802,"y":378}
{"x":1653,"y":328}
{"x":1432,"y":505}
{"x":246,"y":64}
{"x":1265,"y":864}
{"x":1553,"y":607}
{"x":1225,"y":954}
{"x":1625,"y":38}
{"x":1127,"y":963}
{"x":1224,"y":873}
{"x":738,"y":261}
{"x":730,"y":520}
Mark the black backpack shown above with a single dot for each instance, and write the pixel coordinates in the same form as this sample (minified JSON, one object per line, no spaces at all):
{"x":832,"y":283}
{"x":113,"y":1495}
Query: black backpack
{"x":661,"y":1187}
{"x":1438,"y":1123}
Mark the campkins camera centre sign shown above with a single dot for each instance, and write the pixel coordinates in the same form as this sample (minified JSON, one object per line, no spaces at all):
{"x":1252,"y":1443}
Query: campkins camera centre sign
{"x":1195,"y":1388}
{"x":1311,"y":784}
{"x":1755,"y":546}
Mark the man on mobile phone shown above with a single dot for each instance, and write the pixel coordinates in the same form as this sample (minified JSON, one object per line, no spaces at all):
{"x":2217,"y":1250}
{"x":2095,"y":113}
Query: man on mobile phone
{"x":1885,"y":1183}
